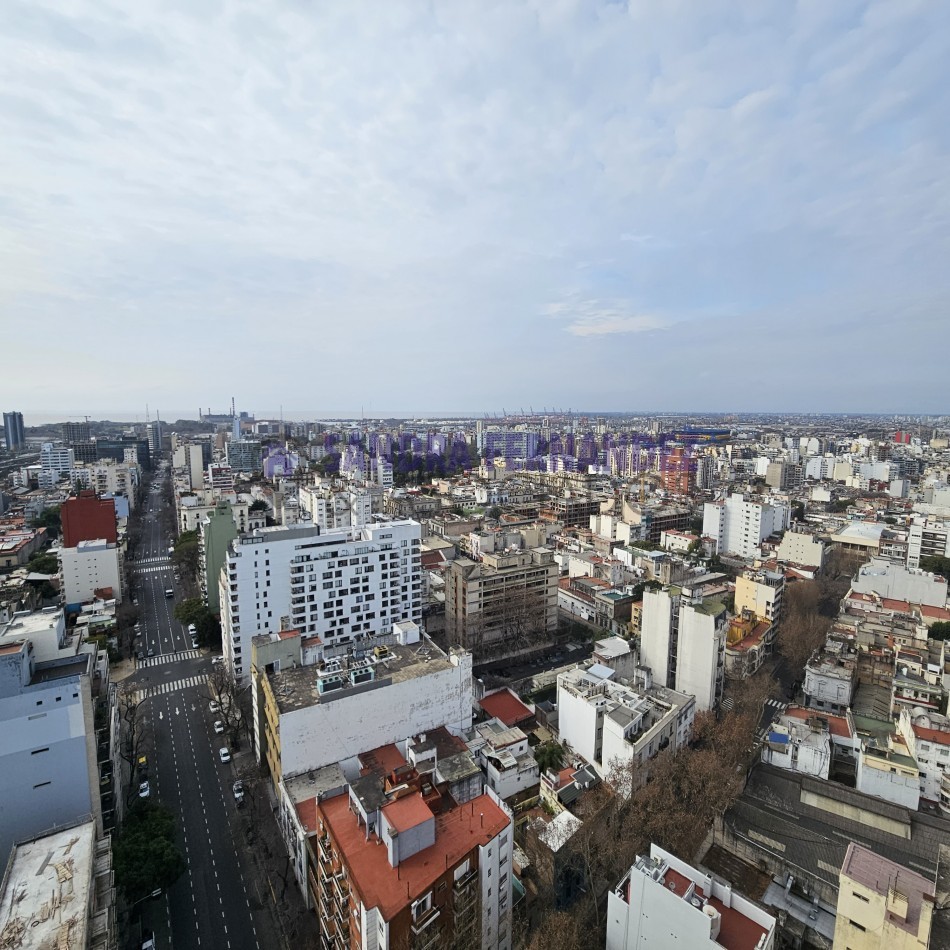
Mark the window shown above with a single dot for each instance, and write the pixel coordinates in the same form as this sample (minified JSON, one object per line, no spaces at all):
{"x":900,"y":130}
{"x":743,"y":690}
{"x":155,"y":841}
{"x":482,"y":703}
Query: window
{"x":857,"y":926}
{"x":861,"y":897}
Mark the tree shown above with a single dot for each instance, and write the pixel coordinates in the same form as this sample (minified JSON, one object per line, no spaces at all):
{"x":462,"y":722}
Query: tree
{"x":193,"y":610}
{"x":258,"y":505}
{"x":549,"y":756}
{"x":50,"y":519}
{"x":936,"y":565}
{"x":939,"y":631}
{"x":494,"y":512}
{"x":145,"y":855}
{"x":134,"y":731}
{"x":44,"y":563}
{"x":804,"y":628}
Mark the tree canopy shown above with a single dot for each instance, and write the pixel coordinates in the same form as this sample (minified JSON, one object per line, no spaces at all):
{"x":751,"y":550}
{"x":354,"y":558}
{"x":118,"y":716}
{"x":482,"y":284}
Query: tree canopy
{"x":145,"y":854}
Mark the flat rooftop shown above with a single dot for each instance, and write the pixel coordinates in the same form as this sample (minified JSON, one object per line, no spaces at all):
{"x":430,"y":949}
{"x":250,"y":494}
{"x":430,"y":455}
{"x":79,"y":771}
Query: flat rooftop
{"x":45,"y":897}
{"x":297,"y":688}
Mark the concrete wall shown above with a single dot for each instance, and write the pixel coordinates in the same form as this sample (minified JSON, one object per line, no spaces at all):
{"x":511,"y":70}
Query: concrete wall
{"x":335,"y":731}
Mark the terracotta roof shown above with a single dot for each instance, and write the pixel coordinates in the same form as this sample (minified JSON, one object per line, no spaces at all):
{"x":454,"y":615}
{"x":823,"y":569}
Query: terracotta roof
{"x":837,"y":725}
{"x":938,"y":613}
{"x":407,"y":812}
{"x":457,"y":833}
{"x":307,"y":813}
{"x":382,"y":761}
{"x":932,"y":735}
{"x":505,"y":706}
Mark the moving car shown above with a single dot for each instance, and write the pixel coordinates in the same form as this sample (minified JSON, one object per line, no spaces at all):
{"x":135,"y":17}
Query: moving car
{"x":218,"y":726}
{"x":169,"y":592}
{"x":144,"y":790}
{"x":224,"y":754}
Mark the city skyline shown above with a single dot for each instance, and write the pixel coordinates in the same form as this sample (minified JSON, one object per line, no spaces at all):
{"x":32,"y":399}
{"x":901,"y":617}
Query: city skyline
{"x":603,"y":204}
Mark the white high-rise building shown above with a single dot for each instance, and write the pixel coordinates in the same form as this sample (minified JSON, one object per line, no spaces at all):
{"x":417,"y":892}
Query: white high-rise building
{"x":89,"y":567}
{"x":341,"y":586}
{"x":55,"y":462}
{"x":739,"y":526}
{"x":683,"y":642}
{"x":330,"y":509}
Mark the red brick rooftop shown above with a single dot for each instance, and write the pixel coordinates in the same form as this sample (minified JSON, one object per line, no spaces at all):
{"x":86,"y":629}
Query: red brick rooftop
{"x":505,"y":706}
{"x":378,"y":884}
{"x":407,"y":812}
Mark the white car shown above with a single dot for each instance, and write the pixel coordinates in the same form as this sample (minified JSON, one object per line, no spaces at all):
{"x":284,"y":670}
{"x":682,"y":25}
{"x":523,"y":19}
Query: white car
{"x":214,"y":706}
{"x":224,"y":754}
{"x":144,"y":790}
{"x":218,"y":726}
{"x":217,"y":660}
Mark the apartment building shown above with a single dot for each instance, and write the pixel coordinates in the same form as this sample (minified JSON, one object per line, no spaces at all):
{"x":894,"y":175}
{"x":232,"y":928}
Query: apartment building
{"x":339,"y":586}
{"x":801,"y":547}
{"x":56,"y":462}
{"x":614,"y":725}
{"x":927,"y":735}
{"x":313,"y":707}
{"x":86,"y":517}
{"x":216,"y":532}
{"x":928,"y":538}
{"x":761,"y":593}
{"x":194,"y":508}
{"x":895,"y":582}
{"x":398,"y":868}
{"x":49,"y":768}
{"x":244,"y":455}
{"x":739,"y":525}
{"x":504,"y":756}
{"x":330,"y":508}
{"x":58,"y":890}
{"x":665,"y":902}
{"x":683,"y":639}
{"x":91,"y":569}
{"x":505,"y":601}
{"x":881,"y":904}
{"x":13,"y":433}
{"x":108,"y":478}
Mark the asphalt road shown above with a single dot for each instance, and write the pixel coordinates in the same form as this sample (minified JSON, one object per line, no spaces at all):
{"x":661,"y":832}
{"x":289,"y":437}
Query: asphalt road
{"x":212,"y":904}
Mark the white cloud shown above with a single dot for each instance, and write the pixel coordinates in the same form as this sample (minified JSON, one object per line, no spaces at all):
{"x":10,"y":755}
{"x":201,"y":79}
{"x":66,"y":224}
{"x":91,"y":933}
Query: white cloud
{"x":426,"y":179}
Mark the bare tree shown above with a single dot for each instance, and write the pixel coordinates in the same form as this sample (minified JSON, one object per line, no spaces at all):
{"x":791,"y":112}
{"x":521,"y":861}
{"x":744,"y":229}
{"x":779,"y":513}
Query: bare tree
{"x":134,"y":731}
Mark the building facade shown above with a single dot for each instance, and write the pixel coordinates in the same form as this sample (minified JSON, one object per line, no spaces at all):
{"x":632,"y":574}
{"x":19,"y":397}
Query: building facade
{"x":505,"y":601}
{"x":339,"y":586}
{"x":13,"y":434}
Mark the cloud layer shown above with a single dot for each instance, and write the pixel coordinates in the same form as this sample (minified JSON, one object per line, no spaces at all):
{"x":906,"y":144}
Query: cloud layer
{"x":466,"y":205}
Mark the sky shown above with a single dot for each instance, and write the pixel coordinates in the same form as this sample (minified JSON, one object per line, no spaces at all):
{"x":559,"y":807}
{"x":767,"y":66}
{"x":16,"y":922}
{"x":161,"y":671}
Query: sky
{"x":464,"y":205}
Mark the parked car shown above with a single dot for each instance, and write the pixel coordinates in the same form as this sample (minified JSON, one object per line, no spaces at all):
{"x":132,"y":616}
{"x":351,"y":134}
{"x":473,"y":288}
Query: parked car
{"x":214,"y":706}
{"x":224,"y":754}
{"x":238,"y":789}
{"x":217,"y":660}
{"x":144,"y":790}
{"x":218,"y":727}
{"x":192,"y":629}
{"x":149,"y":942}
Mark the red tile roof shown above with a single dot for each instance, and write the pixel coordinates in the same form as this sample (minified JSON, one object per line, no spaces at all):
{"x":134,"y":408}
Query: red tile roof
{"x":932,"y":735}
{"x":505,"y":706}
{"x":382,"y":761}
{"x":937,"y":613}
{"x":407,"y":812}
{"x":837,"y":725}
{"x":307,"y":813}
{"x":457,"y":833}
{"x":736,"y":931}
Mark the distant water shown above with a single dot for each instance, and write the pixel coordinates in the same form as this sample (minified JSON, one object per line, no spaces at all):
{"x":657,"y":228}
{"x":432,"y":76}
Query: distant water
{"x":289,"y":415}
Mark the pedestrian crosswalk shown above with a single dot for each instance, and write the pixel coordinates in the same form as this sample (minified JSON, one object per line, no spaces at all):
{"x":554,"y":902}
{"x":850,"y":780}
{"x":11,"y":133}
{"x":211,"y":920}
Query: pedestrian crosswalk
{"x":163,"y":559}
{"x":174,"y":687}
{"x":776,"y":704}
{"x":163,"y":658}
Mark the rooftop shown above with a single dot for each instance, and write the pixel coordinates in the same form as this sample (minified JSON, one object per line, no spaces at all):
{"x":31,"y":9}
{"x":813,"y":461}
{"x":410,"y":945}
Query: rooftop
{"x":884,"y":877}
{"x":407,"y":812}
{"x":296,"y":688}
{"x":457,"y":832}
{"x":504,"y":705}
{"x":46,"y":892}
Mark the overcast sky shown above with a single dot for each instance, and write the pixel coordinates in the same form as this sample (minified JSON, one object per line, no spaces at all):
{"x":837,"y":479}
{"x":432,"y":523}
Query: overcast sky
{"x":447,"y":206}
